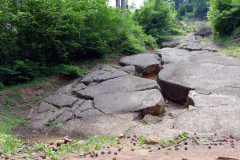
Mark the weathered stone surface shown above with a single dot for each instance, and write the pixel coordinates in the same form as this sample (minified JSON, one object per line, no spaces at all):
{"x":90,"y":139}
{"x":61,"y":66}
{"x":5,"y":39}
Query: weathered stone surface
{"x":151,"y":119}
{"x":65,"y":89}
{"x":129,"y":69}
{"x":212,"y":99}
{"x":223,"y":120}
{"x":144,"y":63}
{"x":203,"y":71}
{"x":121,"y":84}
{"x":67,"y":115}
{"x":97,"y":125}
{"x":103,"y":75}
{"x":150,"y":100}
{"x":79,"y":87}
{"x":192,"y":44}
{"x":61,"y":100}
{"x":155,"y":132}
{"x":89,"y":113}
{"x":43,"y":118}
{"x":44,"y":107}
{"x":86,"y":105}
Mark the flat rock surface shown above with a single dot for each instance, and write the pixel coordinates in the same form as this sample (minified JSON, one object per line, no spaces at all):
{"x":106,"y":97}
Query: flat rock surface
{"x":122,"y":102}
{"x":144,"y":63}
{"x":192,"y":44}
{"x":103,"y":75}
{"x":98,"y":125}
{"x":127,"y":83}
{"x":61,"y":101}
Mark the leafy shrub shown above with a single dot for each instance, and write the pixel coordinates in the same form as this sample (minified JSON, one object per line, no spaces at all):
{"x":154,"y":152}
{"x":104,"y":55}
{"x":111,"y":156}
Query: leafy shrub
{"x":224,"y":16}
{"x":157,"y":19}
{"x":69,"y":70}
{"x":37,"y":35}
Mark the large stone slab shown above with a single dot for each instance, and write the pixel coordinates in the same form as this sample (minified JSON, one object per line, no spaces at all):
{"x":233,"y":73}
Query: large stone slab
{"x":144,"y":63}
{"x":202,"y":71}
{"x":103,"y":75}
{"x":127,"y":83}
{"x":61,"y":100}
{"x":98,"y":125}
{"x":150,"y":100}
{"x":222,"y":120}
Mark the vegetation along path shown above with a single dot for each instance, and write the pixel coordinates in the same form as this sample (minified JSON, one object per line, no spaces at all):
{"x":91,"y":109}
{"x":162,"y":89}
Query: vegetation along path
{"x":191,"y":110}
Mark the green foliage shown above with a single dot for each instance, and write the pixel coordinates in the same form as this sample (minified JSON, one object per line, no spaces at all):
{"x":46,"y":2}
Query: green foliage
{"x":193,"y":10}
{"x":38,"y":35}
{"x":157,"y":19}
{"x":224,"y":16}
{"x":69,"y":70}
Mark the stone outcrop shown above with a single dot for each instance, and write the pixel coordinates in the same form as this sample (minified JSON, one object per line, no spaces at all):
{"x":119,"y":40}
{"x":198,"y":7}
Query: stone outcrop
{"x":144,"y":63}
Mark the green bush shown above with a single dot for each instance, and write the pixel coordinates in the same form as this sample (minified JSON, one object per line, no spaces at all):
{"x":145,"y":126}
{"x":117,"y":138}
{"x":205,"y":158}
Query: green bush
{"x":224,"y":16}
{"x":38,"y":34}
{"x":157,"y":19}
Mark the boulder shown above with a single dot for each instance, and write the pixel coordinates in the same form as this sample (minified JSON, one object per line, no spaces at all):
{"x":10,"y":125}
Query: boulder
{"x":103,"y":75}
{"x":202,"y":71}
{"x":144,"y":63}
{"x":145,"y":102}
{"x":126,"y":84}
{"x":61,"y":101}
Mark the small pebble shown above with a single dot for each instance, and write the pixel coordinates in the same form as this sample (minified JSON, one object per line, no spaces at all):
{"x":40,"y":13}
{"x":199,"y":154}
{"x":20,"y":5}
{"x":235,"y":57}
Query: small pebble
{"x":185,"y":148}
{"x":209,"y":147}
{"x":109,"y":152}
{"x":134,"y":144}
{"x":185,"y":143}
{"x":119,"y":149}
{"x":115,"y":153}
{"x":92,"y":155}
{"x":176,"y":149}
{"x":114,"y":158}
{"x":132,"y":149}
{"x":102,"y":152}
{"x":159,"y":148}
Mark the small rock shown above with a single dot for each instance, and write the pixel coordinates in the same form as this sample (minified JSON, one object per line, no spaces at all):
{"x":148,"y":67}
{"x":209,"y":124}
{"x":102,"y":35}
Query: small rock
{"x":185,"y":148}
{"x":92,"y":155}
{"x":209,"y":147}
{"x":159,"y":148}
{"x":198,"y":143}
{"x":102,"y":152}
{"x":119,"y":149}
{"x":132,"y":149}
{"x":115,"y":153}
{"x":121,"y":135}
{"x":60,"y":142}
{"x":109,"y":152}
{"x":114,"y":158}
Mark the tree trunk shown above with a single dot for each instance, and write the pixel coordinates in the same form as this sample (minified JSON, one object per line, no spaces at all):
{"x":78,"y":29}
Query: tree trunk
{"x":118,"y":4}
{"x":123,"y":7}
